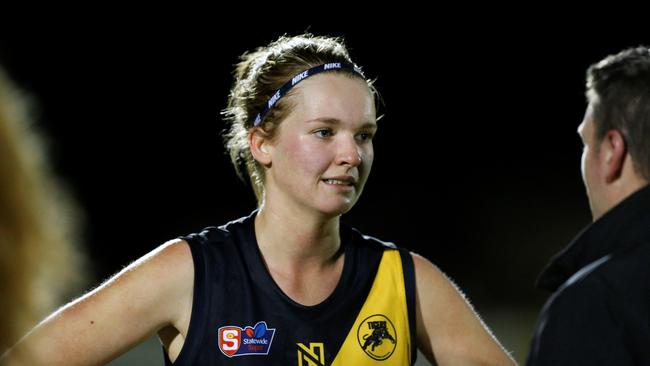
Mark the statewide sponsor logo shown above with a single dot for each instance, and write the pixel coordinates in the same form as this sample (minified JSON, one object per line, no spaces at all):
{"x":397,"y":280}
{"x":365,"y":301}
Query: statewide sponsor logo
{"x":235,"y":341}
{"x":377,"y":337}
{"x":312,"y":354}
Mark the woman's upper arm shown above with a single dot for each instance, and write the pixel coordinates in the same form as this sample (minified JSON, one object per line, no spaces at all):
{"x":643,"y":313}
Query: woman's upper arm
{"x":449,"y":332}
{"x":152,"y":292}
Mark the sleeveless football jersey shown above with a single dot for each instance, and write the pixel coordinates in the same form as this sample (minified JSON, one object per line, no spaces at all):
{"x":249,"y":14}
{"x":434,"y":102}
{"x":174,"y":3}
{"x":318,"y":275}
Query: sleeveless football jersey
{"x":240,"y":316}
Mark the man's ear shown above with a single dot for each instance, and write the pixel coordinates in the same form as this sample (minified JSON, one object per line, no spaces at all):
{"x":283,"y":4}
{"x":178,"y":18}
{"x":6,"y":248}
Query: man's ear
{"x":613,"y":155}
{"x":260,"y":144}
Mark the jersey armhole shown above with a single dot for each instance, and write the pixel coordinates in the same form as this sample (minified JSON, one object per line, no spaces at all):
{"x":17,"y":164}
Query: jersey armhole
{"x":193,"y":339}
{"x":409,"y":284}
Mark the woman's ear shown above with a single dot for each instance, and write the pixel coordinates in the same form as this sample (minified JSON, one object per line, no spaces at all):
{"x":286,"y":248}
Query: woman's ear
{"x":260,"y":144}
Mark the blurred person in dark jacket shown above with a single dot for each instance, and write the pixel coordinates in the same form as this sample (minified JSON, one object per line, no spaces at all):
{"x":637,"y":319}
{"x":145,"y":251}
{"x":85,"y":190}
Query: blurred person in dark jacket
{"x":599,"y":313}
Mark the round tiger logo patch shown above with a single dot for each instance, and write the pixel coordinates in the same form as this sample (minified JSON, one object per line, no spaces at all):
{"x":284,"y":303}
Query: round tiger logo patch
{"x":377,"y":337}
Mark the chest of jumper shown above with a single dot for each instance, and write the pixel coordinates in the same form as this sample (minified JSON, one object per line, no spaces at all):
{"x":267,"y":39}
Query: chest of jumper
{"x":247,"y":320}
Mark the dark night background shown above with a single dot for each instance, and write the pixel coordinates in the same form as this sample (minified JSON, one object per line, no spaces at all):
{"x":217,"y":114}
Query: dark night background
{"x":477,"y":158}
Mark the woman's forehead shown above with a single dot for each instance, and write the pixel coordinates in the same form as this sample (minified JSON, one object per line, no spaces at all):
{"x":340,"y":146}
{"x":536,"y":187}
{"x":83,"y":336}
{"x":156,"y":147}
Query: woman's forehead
{"x":336,"y":97}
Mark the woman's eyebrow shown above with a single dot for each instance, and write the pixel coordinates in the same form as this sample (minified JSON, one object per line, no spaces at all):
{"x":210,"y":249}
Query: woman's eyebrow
{"x":336,"y":121}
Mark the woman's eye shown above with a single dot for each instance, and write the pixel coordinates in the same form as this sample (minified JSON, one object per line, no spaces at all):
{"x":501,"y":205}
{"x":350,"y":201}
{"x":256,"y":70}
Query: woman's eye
{"x":365,"y":136}
{"x":323,"y":133}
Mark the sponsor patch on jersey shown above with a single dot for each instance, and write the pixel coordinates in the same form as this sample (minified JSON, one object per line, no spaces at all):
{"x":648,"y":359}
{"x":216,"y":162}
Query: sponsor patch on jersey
{"x":236,"y":341}
{"x":377,"y":337}
{"x":311,"y":354}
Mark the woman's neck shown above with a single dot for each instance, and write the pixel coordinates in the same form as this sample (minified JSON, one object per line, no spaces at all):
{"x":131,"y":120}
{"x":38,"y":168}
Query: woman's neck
{"x":292,"y":239}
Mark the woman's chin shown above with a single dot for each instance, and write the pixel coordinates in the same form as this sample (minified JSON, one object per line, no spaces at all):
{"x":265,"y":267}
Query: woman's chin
{"x":336,"y":208}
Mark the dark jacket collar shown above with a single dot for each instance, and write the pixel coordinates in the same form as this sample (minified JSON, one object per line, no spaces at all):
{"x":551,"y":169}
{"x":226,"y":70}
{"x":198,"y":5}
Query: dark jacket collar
{"x":623,"y":227}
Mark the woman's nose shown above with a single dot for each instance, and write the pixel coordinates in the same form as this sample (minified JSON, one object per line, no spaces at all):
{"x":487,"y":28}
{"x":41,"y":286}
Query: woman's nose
{"x":349,"y":153}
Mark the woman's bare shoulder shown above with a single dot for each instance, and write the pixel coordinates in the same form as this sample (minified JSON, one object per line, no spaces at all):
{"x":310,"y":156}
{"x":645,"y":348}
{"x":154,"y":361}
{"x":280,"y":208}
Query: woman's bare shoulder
{"x":153,"y":292}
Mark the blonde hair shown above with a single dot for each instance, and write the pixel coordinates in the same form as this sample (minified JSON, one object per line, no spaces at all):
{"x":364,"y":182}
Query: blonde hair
{"x":38,"y":223}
